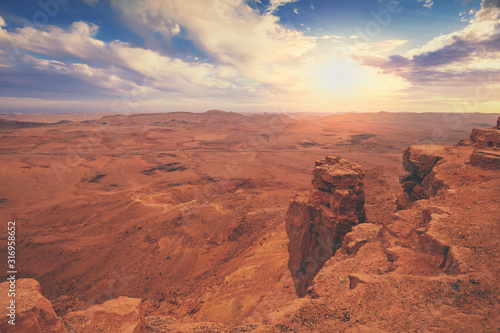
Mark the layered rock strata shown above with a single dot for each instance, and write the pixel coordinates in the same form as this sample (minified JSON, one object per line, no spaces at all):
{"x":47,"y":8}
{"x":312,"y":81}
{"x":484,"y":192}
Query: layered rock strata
{"x":421,"y":182}
{"x":318,"y":219}
{"x":487,"y":147}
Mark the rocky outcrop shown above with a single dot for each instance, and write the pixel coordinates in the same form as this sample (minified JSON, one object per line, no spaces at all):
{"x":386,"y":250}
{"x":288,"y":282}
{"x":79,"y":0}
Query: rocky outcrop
{"x":31,"y":311}
{"x":118,"y":315}
{"x":487,"y":147}
{"x":318,"y":219}
{"x":485,"y":159}
{"x":421,"y":181}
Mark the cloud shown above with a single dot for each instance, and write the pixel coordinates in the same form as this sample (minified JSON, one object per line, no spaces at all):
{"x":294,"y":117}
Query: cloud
{"x":427,"y":3}
{"x":111,"y":68}
{"x":275,"y":4}
{"x":468,"y":55}
{"x":331,"y":37}
{"x":249,"y":58}
{"x":232,"y":34}
{"x":374,"y":48}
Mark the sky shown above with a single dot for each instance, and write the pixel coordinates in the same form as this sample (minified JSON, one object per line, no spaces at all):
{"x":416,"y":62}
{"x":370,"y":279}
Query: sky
{"x":131,"y":56}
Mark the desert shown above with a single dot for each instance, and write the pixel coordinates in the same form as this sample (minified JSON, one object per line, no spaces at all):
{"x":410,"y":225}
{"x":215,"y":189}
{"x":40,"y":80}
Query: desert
{"x":191,"y":221}
{"x":249,"y":166}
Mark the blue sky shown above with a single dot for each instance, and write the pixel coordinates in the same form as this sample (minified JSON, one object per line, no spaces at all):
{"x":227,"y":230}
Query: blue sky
{"x":254,"y":55}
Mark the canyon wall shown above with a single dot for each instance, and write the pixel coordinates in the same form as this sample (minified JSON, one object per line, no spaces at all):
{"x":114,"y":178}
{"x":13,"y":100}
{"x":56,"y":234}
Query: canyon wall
{"x":318,"y":219}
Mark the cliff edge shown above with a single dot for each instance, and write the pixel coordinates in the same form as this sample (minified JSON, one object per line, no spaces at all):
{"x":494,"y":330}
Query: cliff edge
{"x":318,"y":219}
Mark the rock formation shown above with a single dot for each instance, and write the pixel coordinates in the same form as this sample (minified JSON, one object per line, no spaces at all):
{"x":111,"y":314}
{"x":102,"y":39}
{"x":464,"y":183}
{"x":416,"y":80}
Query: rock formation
{"x":32,"y":313}
{"x":421,"y":182}
{"x":118,"y":315}
{"x":318,"y":219}
{"x":487,"y":144}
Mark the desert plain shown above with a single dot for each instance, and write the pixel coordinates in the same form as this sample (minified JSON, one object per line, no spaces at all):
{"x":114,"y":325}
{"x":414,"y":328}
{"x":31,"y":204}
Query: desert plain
{"x":186,"y":212}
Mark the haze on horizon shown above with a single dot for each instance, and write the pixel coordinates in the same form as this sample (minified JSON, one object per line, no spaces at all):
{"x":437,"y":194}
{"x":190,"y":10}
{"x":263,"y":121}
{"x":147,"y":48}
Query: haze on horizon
{"x":249,"y":55}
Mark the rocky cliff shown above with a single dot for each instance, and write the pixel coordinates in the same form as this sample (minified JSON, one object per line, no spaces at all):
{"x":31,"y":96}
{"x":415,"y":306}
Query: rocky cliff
{"x":318,"y":219}
{"x":422,"y":181}
{"x":428,"y":266}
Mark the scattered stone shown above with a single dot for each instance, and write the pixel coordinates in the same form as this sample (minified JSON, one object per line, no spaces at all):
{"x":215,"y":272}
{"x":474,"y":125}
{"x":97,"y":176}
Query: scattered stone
{"x":394,"y":253}
{"x":432,"y":243}
{"x":455,"y":260}
{"x":356,"y":279}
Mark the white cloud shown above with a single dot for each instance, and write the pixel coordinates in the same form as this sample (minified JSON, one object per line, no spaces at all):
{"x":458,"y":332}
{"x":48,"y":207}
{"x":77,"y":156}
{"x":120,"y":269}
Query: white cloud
{"x":483,"y":27}
{"x":455,"y":65}
{"x":331,"y":37}
{"x":427,"y":3}
{"x":233,"y":34}
{"x":275,"y":4}
{"x":117,"y":61}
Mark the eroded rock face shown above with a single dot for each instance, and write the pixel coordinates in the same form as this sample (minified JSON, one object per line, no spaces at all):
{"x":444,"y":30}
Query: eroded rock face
{"x":421,"y":182}
{"x":118,"y":315}
{"x":33,"y":312}
{"x":318,"y":219}
{"x":487,"y":144}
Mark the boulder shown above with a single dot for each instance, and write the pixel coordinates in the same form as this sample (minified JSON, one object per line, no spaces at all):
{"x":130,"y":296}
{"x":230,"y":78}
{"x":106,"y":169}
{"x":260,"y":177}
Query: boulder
{"x":118,"y":315}
{"x":318,"y":220}
{"x":485,"y":159}
{"x":33,"y":312}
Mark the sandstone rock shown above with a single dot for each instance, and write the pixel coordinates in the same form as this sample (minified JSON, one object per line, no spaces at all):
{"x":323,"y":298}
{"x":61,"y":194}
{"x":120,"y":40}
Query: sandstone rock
{"x":455,"y":260}
{"x":318,"y":219}
{"x":118,"y":315}
{"x":33,"y":312}
{"x":359,"y":236}
{"x":465,"y":142}
{"x":485,"y":159}
{"x":433,"y":213}
{"x":486,"y":138}
{"x":394,"y":253}
{"x":487,"y":144}
{"x":431,"y":242}
{"x":420,"y":160}
{"x":356,"y":279}
{"x":421,"y":182}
